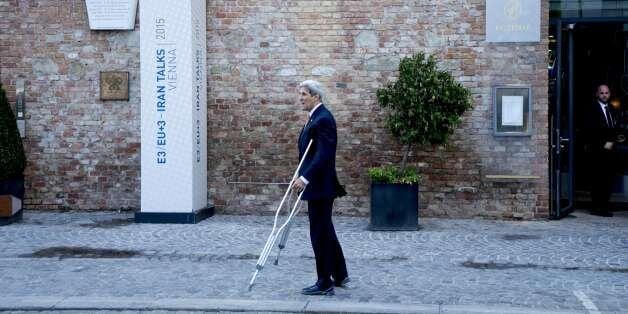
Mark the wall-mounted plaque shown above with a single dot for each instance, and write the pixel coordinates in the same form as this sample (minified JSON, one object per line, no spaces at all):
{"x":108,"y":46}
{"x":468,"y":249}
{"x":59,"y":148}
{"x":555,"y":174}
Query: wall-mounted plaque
{"x":114,"y":85}
{"x":513,"y":20}
{"x":512,"y":114}
{"x":111,"y":14}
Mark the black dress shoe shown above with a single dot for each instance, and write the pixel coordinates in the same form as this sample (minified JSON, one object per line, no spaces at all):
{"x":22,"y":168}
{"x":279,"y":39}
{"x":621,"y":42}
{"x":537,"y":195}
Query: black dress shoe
{"x":316,"y":289}
{"x":342,"y":283}
{"x":309,"y":287}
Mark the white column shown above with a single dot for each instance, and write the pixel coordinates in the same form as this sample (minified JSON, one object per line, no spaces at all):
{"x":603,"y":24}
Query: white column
{"x":174,"y":110}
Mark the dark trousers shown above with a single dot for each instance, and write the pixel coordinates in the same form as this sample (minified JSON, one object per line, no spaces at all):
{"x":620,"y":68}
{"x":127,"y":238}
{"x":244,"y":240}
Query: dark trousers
{"x":329,"y":258}
{"x":603,"y":178}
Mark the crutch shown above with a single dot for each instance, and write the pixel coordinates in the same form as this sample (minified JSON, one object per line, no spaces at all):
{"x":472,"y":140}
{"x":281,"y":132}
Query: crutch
{"x":274,"y":233}
{"x":286,"y":231}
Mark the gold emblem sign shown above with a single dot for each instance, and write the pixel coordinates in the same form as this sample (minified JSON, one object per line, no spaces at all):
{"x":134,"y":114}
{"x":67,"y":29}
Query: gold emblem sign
{"x":512,"y":9}
{"x":114,"y":85}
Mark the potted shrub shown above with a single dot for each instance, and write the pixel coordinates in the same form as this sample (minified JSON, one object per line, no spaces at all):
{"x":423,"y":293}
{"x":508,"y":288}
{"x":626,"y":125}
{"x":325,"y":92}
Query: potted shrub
{"x":12,"y":164}
{"x":424,"y":106}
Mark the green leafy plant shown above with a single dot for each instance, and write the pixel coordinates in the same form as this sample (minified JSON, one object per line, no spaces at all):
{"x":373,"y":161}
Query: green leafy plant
{"x":424,"y":105}
{"x":12,"y":158}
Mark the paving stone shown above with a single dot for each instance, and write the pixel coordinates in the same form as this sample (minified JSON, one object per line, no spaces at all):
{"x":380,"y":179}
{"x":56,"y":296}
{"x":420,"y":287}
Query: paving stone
{"x":534,"y":264}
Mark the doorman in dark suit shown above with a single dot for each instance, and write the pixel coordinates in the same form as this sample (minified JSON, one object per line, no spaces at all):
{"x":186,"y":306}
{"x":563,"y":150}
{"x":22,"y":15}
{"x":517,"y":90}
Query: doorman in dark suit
{"x":320,"y":186}
{"x":601,"y":123}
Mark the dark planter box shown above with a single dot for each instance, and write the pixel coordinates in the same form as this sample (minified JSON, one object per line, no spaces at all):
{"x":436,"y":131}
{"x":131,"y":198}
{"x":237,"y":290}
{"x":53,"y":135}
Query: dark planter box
{"x":394,"y":206}
{"x":15,"y":188}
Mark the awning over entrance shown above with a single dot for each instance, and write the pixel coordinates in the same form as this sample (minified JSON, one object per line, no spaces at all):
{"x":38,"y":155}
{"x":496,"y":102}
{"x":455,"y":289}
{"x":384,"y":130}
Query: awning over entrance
{"x":588,"y":8}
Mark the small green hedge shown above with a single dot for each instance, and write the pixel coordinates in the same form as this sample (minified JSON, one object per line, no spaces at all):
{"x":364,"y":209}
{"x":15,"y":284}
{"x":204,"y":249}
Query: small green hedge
{"x":392,"y":174}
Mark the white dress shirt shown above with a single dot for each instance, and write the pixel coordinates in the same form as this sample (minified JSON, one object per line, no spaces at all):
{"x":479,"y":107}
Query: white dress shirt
{"x":604,"y":111}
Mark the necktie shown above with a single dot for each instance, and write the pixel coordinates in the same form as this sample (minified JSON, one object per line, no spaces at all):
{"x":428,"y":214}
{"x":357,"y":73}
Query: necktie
{"x":303,"y":129}
{"x":609,"y":118}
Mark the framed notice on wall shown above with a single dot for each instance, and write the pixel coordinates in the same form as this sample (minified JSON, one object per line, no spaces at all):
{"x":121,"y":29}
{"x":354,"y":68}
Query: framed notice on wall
{"x":512,"y":114}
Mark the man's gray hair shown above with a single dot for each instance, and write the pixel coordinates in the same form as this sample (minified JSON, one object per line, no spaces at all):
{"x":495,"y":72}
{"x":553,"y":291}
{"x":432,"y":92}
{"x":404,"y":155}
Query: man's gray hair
{"x":314,"y":88}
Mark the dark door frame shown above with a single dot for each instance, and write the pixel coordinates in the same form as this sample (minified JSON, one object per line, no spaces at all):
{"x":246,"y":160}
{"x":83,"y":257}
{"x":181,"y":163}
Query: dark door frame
{"x":561,"y":137}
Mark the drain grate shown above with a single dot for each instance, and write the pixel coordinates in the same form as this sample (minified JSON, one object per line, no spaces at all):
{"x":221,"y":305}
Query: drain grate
{"x":498,"y":266}
{"x":108,"y":224}
{"x":80,"y":252}
{"x":518,"y":237}
{"x":502,"y":266}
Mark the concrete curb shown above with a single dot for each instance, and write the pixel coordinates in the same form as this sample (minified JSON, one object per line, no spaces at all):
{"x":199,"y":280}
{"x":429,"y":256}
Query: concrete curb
{"x":51,"y":303}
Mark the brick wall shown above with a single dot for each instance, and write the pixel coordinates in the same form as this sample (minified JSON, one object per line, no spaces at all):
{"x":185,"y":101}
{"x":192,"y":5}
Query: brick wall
{"x":84,"y":153}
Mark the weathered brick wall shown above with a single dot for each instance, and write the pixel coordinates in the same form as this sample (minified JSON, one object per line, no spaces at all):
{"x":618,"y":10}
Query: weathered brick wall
{"x":258,"y":50}
{"x":84,"y":153}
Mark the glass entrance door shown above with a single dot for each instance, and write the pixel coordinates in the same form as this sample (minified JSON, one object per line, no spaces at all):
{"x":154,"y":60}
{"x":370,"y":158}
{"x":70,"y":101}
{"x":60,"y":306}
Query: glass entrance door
{"x":560,"y":75}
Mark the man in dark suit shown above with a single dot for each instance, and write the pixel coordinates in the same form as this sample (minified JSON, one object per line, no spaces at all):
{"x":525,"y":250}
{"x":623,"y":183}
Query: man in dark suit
{"x":601,"y":123}
{"x":319,"y":183}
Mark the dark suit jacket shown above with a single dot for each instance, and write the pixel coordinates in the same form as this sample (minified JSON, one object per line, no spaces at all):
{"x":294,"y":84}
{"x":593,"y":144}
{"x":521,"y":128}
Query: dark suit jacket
{"x":319,"y":166}
{"x":598,"y":130}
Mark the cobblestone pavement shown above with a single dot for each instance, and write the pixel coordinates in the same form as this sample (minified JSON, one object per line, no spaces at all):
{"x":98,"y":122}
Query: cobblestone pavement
{"x":578,"y":264}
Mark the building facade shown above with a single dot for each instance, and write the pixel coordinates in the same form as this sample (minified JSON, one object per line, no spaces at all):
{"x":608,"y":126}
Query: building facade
{"x":84,"y":153}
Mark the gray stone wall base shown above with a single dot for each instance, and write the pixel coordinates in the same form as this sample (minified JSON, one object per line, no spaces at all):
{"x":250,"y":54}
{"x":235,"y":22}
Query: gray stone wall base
{"x":175,"y":218}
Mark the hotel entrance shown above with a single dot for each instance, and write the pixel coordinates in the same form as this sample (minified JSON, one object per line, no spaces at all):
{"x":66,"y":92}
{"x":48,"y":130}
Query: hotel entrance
{"x":588,"y":43}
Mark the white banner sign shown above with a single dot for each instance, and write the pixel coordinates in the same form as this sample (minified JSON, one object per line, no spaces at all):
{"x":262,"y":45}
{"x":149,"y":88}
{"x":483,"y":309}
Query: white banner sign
{"x":174,"y":106}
